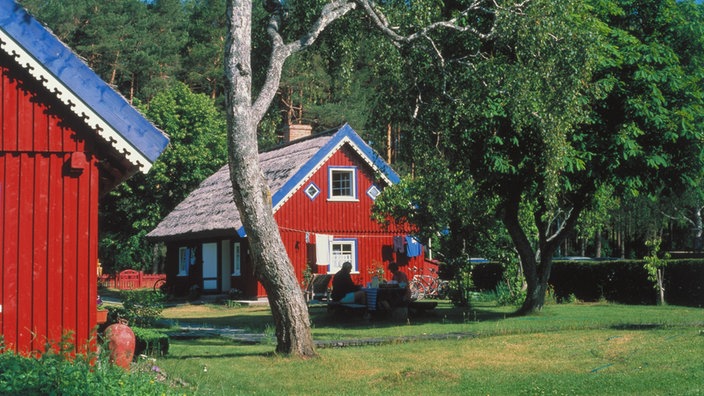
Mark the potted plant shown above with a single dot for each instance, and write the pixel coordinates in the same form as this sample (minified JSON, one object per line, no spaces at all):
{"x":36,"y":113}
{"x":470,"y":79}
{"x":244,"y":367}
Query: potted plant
{"x":101,"y":313}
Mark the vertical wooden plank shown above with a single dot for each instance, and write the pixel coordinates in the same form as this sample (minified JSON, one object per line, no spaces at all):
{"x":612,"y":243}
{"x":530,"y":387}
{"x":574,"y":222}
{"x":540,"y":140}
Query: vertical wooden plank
{"x":25,"y":121}
{"x":40,"y":126}
{"x":10,"y":226}
{"x":40,"y":267}
{"x":70,"y":227}
{"x":9,"y":100}
{"x":54,"y":134}
{"x":93,"y":243}
{"x":55,"y":250}
{"x":83,"y":246}
{"x":3,"y":187}
{"x":3,"y":82}
{"x":25,"y":251}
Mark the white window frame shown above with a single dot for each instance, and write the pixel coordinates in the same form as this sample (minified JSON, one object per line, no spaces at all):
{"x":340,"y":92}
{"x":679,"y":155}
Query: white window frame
{"x":186,"y":258}
{"x":352,"y":172}
{"x":236,"y":259}
{"x":337,"y":259}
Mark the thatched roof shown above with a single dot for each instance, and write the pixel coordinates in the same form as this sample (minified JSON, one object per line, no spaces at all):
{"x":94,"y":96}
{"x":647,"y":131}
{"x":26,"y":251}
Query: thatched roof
{"x":210,"y":211}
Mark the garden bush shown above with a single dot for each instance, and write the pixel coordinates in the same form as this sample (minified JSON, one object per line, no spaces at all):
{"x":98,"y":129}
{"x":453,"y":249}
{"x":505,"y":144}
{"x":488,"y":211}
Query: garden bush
{"x":142,"y":308}
{"x":63,"y":373}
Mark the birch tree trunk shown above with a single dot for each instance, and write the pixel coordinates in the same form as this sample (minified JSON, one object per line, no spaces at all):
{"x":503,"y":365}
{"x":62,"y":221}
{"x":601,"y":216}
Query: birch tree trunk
{"x":252,"y":196}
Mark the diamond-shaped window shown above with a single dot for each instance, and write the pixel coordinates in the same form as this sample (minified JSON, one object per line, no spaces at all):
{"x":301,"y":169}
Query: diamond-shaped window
{"x":373,"y":192}
{"x":312,"y":191}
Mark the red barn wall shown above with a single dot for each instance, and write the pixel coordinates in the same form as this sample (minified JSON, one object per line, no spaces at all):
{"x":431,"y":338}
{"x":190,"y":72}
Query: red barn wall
{"x":48,"y":220}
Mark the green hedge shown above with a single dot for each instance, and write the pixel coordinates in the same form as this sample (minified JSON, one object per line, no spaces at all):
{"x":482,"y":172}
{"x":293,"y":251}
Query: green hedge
{"x":621,"y":281}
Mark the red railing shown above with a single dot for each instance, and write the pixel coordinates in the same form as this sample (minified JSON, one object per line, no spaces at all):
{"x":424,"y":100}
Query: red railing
{"x":130,"y":280}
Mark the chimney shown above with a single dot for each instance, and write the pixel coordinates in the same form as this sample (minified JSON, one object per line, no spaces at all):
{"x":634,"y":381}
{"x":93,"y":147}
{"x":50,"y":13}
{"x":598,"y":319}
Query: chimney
{"x":297,"y":131}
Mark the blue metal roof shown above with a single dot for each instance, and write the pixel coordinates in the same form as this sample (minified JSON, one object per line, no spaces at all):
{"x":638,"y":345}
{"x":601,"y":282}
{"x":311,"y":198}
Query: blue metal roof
{"x":82,"y":82}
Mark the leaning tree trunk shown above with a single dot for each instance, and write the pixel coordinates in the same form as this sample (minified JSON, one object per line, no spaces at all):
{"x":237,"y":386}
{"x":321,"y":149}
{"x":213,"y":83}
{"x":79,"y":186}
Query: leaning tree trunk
{"x":252,"y":196}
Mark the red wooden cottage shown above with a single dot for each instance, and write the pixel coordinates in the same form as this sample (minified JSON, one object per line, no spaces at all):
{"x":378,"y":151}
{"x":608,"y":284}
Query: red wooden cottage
{"x":323,"y":189}
{"x":66,"y":139}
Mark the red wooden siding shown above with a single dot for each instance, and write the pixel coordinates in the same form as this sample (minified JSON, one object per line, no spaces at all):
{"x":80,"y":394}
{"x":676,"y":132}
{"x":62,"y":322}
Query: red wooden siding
{"x":301,"y":215}
{"x":48,"y":221}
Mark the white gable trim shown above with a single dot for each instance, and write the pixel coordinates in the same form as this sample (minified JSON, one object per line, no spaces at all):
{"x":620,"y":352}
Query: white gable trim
{"x":324,"y":160}
{"x":74,"y":103}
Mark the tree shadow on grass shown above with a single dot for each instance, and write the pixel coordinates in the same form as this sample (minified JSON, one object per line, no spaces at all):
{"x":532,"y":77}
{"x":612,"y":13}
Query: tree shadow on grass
{"x":444,"y":313}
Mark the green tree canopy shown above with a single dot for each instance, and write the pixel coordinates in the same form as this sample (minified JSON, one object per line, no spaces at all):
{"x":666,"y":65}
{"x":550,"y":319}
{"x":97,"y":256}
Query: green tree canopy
{"x":565,"y":100}
{"x":197,"y":149}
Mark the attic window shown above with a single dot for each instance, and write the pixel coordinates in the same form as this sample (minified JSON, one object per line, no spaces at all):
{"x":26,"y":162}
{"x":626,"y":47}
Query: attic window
{"x":342,"y":183}
{"x":373,"y":192}
{"x":312,"y":191}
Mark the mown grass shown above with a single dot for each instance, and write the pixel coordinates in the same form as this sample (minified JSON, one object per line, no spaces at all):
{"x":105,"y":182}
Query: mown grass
{"x":576,"y":349}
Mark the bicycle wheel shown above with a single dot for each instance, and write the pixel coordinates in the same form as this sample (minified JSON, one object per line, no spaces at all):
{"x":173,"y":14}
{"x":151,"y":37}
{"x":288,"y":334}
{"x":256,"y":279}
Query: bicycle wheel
{"x":161,"y":286}
{"x":417,"y":290}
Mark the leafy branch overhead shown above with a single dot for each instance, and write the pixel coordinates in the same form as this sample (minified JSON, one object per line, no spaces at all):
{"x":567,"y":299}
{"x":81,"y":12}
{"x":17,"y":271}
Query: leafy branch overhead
{"x":330,"y":12}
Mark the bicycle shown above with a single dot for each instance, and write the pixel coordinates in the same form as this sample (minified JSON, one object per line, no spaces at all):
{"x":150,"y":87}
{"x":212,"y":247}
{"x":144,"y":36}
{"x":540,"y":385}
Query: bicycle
{"x":428,"y":286}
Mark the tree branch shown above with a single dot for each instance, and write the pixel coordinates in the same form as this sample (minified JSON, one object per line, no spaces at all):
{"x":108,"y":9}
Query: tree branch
{"x":281,"y":51}
{"x":337,"y":9}
{"x":488,"y":7}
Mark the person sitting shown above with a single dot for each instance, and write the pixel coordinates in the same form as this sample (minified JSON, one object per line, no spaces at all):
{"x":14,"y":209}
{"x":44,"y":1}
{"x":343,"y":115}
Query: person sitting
{"x":401,"y":279}
{"x":344,"y":290}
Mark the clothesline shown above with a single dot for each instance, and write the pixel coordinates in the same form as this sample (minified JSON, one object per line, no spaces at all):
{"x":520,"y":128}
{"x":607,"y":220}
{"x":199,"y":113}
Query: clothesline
{"x":347,"y":234}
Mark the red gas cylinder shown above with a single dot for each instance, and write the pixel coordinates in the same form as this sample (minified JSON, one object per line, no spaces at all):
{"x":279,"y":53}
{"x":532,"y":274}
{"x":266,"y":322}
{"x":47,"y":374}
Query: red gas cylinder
{"x":121,"y":343}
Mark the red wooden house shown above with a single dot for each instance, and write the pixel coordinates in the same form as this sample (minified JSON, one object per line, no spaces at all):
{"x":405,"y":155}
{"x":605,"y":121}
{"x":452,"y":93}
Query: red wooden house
{"x":323,"y":187}
{"x":66,"y":139}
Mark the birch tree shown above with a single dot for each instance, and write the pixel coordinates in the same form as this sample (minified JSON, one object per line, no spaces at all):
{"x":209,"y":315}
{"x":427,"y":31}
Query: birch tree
{"x":247,"y":105}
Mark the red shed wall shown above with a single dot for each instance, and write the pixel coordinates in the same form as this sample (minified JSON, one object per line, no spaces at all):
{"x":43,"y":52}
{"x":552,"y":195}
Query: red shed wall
{"x":48,"y":220}
{"x":300,"y":216}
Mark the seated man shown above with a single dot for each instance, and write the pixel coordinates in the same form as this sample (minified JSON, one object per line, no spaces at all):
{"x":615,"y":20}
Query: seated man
{"x":344,"y":290}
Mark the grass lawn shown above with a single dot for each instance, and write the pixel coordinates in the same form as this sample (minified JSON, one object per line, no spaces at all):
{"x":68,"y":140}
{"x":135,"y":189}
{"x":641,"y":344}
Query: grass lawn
{"x":575,"y":349}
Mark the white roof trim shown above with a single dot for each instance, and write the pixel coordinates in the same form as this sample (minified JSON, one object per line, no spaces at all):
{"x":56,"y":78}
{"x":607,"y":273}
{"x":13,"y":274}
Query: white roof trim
{"x":325,"y":160}
{"x":75,"y":104}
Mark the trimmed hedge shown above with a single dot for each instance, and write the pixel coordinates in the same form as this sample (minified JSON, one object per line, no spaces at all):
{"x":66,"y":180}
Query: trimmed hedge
{"x":620,"y":281}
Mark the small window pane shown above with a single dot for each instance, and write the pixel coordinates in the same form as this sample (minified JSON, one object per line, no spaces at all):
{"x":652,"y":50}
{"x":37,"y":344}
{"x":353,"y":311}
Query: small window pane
{"x":312,"y":191}
{"x":341,"y":251}
{"x":373,"y":192}
{"x":236,"y":259}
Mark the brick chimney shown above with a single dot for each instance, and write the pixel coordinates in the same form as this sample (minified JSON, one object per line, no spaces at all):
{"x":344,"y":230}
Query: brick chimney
{"x":297,"y":131}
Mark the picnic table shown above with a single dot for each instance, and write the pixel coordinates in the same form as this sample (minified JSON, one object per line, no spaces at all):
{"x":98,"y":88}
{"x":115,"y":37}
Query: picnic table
{"x":384,"y":300}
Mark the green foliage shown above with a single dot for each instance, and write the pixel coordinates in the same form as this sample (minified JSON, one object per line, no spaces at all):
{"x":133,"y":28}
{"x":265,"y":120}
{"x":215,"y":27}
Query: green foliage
{"x":142,"y":307}
{"x":511,"y":290}
{"x":62,"y":373}
{"x":150,"y":342}
{"x":132,"y":45}
{"x":197,"y":150}
{"x":655,"y":266}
